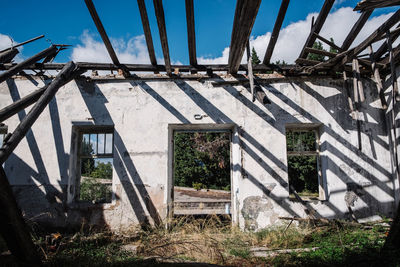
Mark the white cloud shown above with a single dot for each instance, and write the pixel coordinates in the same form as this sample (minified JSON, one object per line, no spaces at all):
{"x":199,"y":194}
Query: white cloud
{"x":5,"y":41}
{"x":133,"y":50}
{"x":292,"y":37}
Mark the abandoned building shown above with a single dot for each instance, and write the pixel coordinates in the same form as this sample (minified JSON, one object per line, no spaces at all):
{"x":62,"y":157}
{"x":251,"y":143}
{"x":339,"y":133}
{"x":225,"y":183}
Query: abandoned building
{"x":345,"y":106}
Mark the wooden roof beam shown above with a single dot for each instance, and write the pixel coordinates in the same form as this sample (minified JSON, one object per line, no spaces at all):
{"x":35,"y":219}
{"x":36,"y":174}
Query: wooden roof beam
{"x":316,"y":28}
{"x":245,"y":15}
{"x":147,"y":31}
{"x":104,"y":36}
{"x":275,"y":31}
{"x":356,"y":29}
{"x":159,"y":10}
{"x":384,"y":48}
{"x":191,"y":32}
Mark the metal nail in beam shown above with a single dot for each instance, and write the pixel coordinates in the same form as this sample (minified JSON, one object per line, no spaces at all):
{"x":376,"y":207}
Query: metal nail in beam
{"x":191,"y":32}
{"x":245,"y":15}
{"x":147,"y":31}
{"x":316,"y":28}
{"x":159,"y":10}
{"x":275,"y":31}
{"x":19,"y":133}
{"x":26,"y":63}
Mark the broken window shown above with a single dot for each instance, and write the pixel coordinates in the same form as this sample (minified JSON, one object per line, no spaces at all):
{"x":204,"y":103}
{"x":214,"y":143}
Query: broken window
{"x":202,"y":172}
{"x":303,"y":162}
{"x":96,"y":166}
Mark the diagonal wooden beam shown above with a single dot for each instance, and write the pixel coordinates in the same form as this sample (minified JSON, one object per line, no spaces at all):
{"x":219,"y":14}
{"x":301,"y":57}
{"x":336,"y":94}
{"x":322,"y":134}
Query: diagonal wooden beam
{"x":159,"y":10}
{"x":275,"y":31}
{"x":364,"y":5}
{"x":23,"y":43}
{"x":20,"y":66}
{"x":65,"y":75}
{"x":316,"y":28}
{"x":147,"y":31}
{"x":383,"y":48}
{"x":356,"y":29}
{"x":102,"y":32}
{"x":8,"y":55}
{"x":245,"y":15}
{"x":191,"y":32}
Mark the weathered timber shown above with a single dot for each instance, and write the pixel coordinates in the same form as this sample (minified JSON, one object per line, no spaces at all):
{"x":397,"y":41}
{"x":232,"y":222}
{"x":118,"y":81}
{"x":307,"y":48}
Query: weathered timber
{"x":147,"y":31}
{"x":355,"y":30}
{"x":320,"y":52}
{"x":355,"y":81}
{"x":13,"y":227}
{"x":304,"y":61}
{"x":63,"y":77}
{"x":375,"y":36}
{"x":26,"y":101}
{"x":317,"y":26}
{"x":191,"y":32}
{"x":377,"y":79}
{"x":23,"y":43}
{"x":275,"y":31}
{"x":359,"y":82}
{"x":250,"y":70}
{"x":102,"y":31}
{"x":20,"y":66}
{"x":245,"y":15}
{"x":393,"y":75}
{"x":328,"y":42}
{"x":159,"y":10}
{"x":372,"y":4}
{"x":383,"y":48}
{"x":7,"y":56}
{"x":347,"y":89}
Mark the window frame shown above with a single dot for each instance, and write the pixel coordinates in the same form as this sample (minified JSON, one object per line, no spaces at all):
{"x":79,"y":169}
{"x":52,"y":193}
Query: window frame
{"x":316,"y":129}
{"x":75,"y":176}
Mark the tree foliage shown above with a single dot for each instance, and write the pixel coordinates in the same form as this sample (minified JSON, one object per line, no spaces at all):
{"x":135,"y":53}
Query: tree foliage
{"x":255,"y":60}
{"x":202,"y":159}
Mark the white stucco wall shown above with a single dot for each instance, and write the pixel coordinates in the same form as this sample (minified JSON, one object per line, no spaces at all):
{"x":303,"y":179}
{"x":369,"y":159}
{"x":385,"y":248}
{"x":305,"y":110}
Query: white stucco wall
{"x":143,"y":112}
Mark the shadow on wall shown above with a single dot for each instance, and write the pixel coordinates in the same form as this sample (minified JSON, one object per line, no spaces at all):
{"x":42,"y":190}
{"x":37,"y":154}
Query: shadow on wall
{"x":138,"y":195}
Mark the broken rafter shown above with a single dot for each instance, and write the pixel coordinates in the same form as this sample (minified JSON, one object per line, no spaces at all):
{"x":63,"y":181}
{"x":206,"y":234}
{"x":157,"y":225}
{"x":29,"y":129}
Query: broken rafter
{"x":21,"y":44}
{"x":147,"y":31}
{"x":316,"y":28}
{"x":372,"y":4}
{"x":377,"y":78}
{"x":275,"y":31}
{"x":8,"y":55}
{"x":245,"y":15}
{"x":331,"y":44}
{"x":66,"y":74}
{"x":356,"y":29}
{"x":191,"y":32}
{"x":104,"y":36}
{"x":159,"y":10}
{"x":26,"y":63}
{"x":383,"y":48}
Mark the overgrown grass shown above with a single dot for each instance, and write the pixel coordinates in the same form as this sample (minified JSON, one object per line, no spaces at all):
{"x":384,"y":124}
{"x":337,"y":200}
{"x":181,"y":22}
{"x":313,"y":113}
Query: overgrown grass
{"x":212,"y":240}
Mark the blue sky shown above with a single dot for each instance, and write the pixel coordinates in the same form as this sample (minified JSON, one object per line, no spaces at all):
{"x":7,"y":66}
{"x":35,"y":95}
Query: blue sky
{"x":69,"y":22}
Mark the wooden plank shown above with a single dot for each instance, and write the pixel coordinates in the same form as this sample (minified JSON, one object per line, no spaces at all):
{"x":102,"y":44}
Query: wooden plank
{"x":320,"y":52}
{"x":359,"y":82}
{"x":13,"y":227}
{"x":23,"y":43}
{"x":377,"y":79}
{"x":102,"y":31}
{"x":316,"y":28}
{"x":349,"y":100}
{"x":65,"y":75}
{"x":328,"y":42}
{"x":191,"y":32}
{"x":372,"y":4}
{"x":376,"y":35}
{"x":245,"y":15}
{"x":355,"y":30}
{"x":393,"y":75}
{"x":355,"y":82}
{"x":250,"y":70}
{"x":20,"y":66}
{"x":159,"y":10}
{"x":275,"y":31}
{"x":147,"y":31}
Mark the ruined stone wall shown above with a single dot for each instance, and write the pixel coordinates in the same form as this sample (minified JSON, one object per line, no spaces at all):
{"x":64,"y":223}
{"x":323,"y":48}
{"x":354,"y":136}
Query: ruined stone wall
{"x":356,"y":165}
